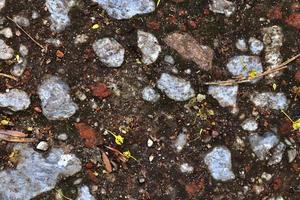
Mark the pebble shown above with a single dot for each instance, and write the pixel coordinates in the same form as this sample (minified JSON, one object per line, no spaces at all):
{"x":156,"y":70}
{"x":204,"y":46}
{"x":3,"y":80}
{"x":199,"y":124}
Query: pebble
{"x":19,"y":68}
{"x":36,"y":174}
{"x":43,"y":146}
{"x":222,"y":7}
{"x":292,"y":153}
{"x":84,"y":194}
{"x":6,"y":52}
{"x":219,"y":164}
{"x":150,"y":95}
{"x":7,"y":32}
{"x":80,"y":39}
{"x":149,"y":47}
{"x":175,"y":88}
{"x":62,"y":137}
{"x":256,"y":46}
{"x":109,"y":51}
{"x":56,"y":100}
{"x":250,"y":125}
{"x":169,"y":59}
{"x":21,"y":20}
{"x":126,"y":9}
{"x":23,"y":50}
{"x":266,"y":176}
{"x":225,"y":95}
{"x":186,"y":168}
{"x":2,"y":4}
{"x":150,"y":143}
{"x":277,"y":154}
{"x":15,"y":100}
{"x":35,"y":15}
{"x":80,"y":95}
{"x":180,"y":142}
{"x":241,"y":45}
{"x":271,"y":100}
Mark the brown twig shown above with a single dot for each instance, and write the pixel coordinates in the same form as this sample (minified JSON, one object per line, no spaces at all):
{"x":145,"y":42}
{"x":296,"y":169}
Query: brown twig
{"x":8,"y":76}
{"x":36,"y":42}
{"x":239,"y":80}
{"x":15,"y":136}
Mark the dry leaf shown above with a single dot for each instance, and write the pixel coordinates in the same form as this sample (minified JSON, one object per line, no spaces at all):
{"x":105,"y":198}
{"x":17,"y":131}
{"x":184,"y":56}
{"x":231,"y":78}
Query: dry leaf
{"x":106,"y":163}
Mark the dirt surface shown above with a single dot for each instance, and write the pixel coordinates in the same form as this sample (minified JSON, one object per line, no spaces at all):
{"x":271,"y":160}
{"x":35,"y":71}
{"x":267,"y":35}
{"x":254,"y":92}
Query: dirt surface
{"x":122,"y":110}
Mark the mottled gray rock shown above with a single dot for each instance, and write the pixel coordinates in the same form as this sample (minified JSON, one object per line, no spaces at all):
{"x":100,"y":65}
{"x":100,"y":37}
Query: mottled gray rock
{"x":243,"y":65}
{"x":125,"y":9}
{"x":36,"y":174}
{"x":19,"y":68}
{"x":7,"y":32}
{"x":249,"y":124}
{"x":219,"y":164}
{"x":2,"y":4}
{"x":84,"y":194}
{"x":109,"y":51}
{"x":241,"y":45}
{"x":261,"y":145}
{"x":277,"y":154}
{"x":225,"y":95}
{"x":222,"y":7}
{"x":56,"y":100}
{"x":175,"y":88}
{"x":15,"y":100}
{"x":256,"y":46}
{"x":59,"y":10}
{"x":270,"y":100}
{"x":149,"y":94}
{"x":5,"y":51}
{"x":21,"y":20}
{"x":23,"y":50}
{"x":149,"y":47}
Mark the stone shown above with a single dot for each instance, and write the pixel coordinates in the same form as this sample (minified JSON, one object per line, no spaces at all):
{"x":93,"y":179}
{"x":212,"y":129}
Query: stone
{"x":23,"y":50}
{"x":109,"y":51}
{"x":56,"y":100}
{"x":250,"y":125}
{"x":81,"y":38}
{"x":186,"y":168}
{"x":225,"y":95}
{"x":19,"y":68}
{"x":15,"y":100}
{"x":190,"y":49}
{"x":2,"y":4}
{"x":62,"y":137}
{"x":241,"y":45}
{"x":59,"y":10}
{"x":277,"y":154}
{"x":43,"y":146}
{"x":84,"y":194}
{"x":244,"y":65}
{"x":256,"y":46}
{"x":149,"y":47}
{"x":292,"y":153}
{"x":126,"y":9}
{"x":222,"y":7}
{"x":180,"y":142}
{"x":36,"y":174}
{"x":21,"y":20}
{"x":261,"y":145}
{"x":150,"y":95}
{"x":150,"y":143}
{"x":7,"y":32}
{"x":6,"y":52}
{"x":169,"y":59}
{"x":271,"y":100}
{"x":219,"y":164}
{"x":175,"y":88}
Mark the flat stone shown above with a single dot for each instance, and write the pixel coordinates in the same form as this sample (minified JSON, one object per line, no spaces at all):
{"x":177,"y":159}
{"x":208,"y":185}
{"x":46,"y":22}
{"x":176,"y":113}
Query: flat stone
{"x":190,"y":49}
{"x":15,"y":100}
{"x":109,"y":51}
{"x":56,"y":100}
{"x":250,"y":125}
{"x":149,"y":47}
{"x":256,"y":46}
{"x":175,"y":88}
{"x":261,"y":145}
{"x":36,"y":174}
{"x":59,"y":10}
{"x":5,"y":51}
{"x":219,"y":164}
{"x":84,"y":194}
{"x":271,"y":100}
{"x":150,"y":95}
{"x":225,"y":95}
{"x":222,"y":7}
{"x":126,"y":9}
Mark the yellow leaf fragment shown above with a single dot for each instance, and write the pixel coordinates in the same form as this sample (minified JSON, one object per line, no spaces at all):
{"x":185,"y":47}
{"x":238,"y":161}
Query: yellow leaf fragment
{"x":274,"y":85}
{"x":252,"y":74}
{"x":128,"y":155}
{"x":119,"y":140}
{"x":4,"y":122}
{"x":296,"y":124}
{"x":158,"y":2}
{"x":95,"y":26}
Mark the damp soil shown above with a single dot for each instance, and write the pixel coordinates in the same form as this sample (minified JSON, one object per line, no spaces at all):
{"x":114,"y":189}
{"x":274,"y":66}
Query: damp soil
{"x":161,"y":121}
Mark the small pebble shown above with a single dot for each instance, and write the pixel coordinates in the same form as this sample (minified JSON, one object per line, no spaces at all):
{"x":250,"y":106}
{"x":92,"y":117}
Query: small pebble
{"x":43,"y":146}
{"x":150,"y":143}
{"x":186,"y":168}
{"x":62,"y":137}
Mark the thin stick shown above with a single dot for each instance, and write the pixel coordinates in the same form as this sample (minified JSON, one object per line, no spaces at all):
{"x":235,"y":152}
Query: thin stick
{"x":36,"y":42}
{"x":8,"y":76}
{"x":246,"y":80}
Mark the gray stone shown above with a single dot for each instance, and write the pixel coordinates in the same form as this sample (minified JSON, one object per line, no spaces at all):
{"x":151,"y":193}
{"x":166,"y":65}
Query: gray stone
{"x":2,"y":4}
{"x":219,"y":164}
{"x":7,"y":32}
{"x":277,"y":154}
{"x":249,"y":124}
{"x":175,"y":88}
{"x":125,"y":9}
{"x":84,"y":194}
{"x":23,"y":50}
{"x":15,"y":100}
{"x":149,"y":94}
{"x":80,"y":39}
{"x":36,"y":174}
{"x":21,"y":20}
{"x":261,"y":145}
{"x":180,"y":142}
{"x":149,"y":47}
{"x":5,"y":51}
{"x":256,"y":46}
{"x":186,"y":168}
{"x":59,"y":10}
{"x":169,"y":59}
{"x":222,"y":7}
{"x":62,"y":137}
{"x":109,"y":51}
{"x":19,"y":68}
{"x":241,"y":45}
{"x":225,"y":95}
{"x":271,"y":100}
{"x":243,"y":65}
{"x":292,"y":153}
{"x":56,"y":100}
{"x":43,"y":146}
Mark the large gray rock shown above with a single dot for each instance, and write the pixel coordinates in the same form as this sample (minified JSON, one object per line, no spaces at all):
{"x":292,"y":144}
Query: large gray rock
{"x":56,"y":100}
{"x":271,"y":100}
{"x":36,"y":174}
{"x":149,"y":47}
{"x":84,"y":194}
{"x":6,"y":52}
{"x":175,"y":88}
{"x":59,"y":10}
{"x":219,"y":164}
{"x":225,"y":95}
{"x":125,"y":9}
{"x":15,"y":100}
{"x":109,"y":51}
